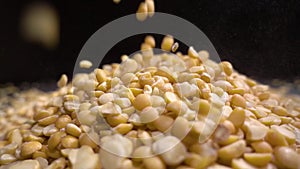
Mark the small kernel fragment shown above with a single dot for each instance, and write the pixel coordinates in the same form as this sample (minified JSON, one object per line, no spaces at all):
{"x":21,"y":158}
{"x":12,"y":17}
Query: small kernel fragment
{"x":175,"y":46}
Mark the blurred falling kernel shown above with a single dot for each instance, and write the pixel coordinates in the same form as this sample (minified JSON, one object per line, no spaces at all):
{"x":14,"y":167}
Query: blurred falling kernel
{"x":116,"y":1}
{"x":40,"y":24}
{"x":145,"y":9}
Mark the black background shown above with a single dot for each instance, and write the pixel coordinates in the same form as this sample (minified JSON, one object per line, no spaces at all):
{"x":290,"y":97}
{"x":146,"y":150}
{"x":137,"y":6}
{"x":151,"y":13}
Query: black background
{"x":260,"y":38}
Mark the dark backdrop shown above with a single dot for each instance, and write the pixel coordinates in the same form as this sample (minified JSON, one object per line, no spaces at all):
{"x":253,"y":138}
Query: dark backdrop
{"x":260,"y":37}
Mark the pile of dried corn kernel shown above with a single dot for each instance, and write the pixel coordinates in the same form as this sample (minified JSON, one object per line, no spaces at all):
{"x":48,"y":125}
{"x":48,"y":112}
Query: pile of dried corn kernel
{"x":152,"y":103}
{"x":17,"y":108}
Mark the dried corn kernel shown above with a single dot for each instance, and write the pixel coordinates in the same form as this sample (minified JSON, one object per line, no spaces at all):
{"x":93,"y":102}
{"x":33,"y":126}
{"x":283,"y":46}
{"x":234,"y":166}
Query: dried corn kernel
{"x":150,"y":39}
{"x":142,"y":12}
{"x":85,"y":64}
{"x":167,"y":43}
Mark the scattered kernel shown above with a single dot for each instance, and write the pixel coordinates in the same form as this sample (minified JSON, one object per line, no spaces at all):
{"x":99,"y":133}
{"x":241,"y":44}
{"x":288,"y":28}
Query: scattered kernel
{"x":85,"y":64}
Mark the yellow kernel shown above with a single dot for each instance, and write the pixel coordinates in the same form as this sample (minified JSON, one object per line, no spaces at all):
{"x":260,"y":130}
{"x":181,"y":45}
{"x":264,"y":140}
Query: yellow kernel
{"x":130,"y":95}
{"x":7,"y":158}
{"x":142,"y":12}
{"x":285,"y":120}
{"x":38,"y":154}
{"x":204,"y":107}
{"x":262,"y":147}
{"x":69,"y":142}
{"x":141,"y":101}
{"x":136,"y":91}
{"x":47,"y":120}
{"x":192,"y":52}
{"x":41,"y":114}
{"x":151,"y":7}
{"x":289,"y":136}
{"x":287,"y":157}
{"x":197,"y":69}
{"x":167,"y":43}
{"x":52,"y":153}
{"x":85,"y":139}
{"x":170,"y":97}
{"x":123,"y":128}
{"x":237,"y":117}
{"x":241,"y":164}
{"x":234,"y":150}
{"x":150,"y":41}
{"x":163,"y":123}
{"x":145,"y":47}
{"x":264,"y":96}
{"x":115,"y":120}
{"x":135,"y":85}
{"x":177,"y":107}
{"x":214,"y":166}
{"x":29,"y":148}
{"x":154,"y":162}
{"x":238,"y":101}
{"x":32,"y":164}
{"x":227,"y":67}
{"x":270,"y":120}
{"x":100,"y":75}
{"x":141,"y":153}
{"x":231,"y":139}
{"x":165,"y":73}
{"x":280,"y":111}
{"x":238,"y":90}
{"x":73,"y":130}
{"x":62,"y":121}
{"x":275,"y":138}
{"x":55,"y":139}
{"x":258,"y":159}
{"x":228,"y":124}
{"x":124,"y":58}
{"x":296,"y":124}
{"x":196,"y":161}
{"x":128,"y":110}
{"x":250,"y":82}
{"x":205,"y":77}
{"x":62,"y":81}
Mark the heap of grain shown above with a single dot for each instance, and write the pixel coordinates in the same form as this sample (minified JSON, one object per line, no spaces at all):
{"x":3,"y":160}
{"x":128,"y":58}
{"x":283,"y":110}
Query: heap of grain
{"x":161,"y":111}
